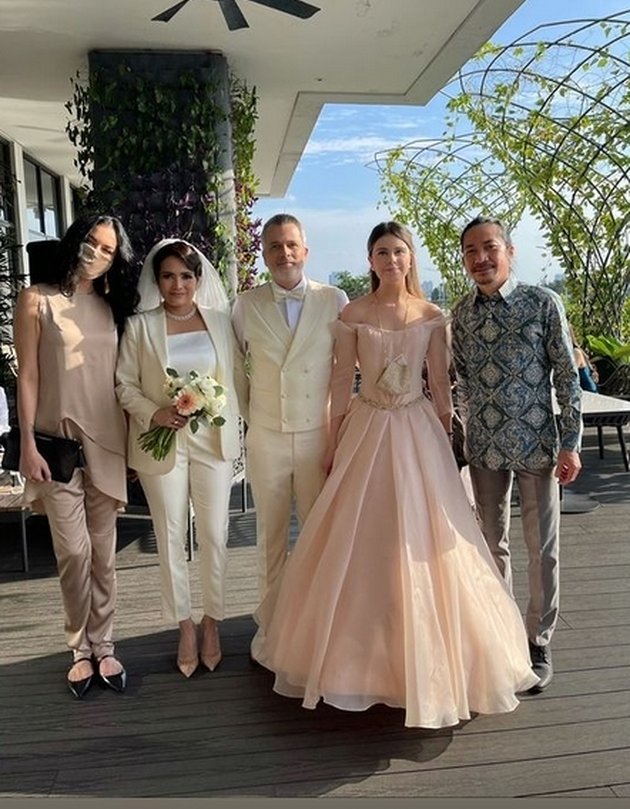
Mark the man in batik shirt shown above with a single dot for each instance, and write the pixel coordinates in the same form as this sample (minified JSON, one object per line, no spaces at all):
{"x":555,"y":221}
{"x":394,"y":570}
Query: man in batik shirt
{"x":511,"y":347}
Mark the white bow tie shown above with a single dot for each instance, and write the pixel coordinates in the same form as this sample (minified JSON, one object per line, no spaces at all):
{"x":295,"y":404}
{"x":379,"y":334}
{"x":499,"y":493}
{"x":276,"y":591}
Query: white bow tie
{"x":280,"y":294}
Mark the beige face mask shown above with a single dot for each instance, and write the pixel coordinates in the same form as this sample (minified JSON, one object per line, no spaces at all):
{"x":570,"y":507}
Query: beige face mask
{"x":92,"y":263}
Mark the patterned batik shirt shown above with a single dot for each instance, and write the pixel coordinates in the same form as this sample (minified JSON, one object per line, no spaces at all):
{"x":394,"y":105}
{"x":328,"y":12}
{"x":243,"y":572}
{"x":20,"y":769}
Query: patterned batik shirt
{"x":509,"y":350}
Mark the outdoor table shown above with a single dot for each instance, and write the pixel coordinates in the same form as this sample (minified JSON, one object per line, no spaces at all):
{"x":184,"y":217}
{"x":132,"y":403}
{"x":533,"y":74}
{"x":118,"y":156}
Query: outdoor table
{"x":597,"y":411}
{"x":606,"y":411}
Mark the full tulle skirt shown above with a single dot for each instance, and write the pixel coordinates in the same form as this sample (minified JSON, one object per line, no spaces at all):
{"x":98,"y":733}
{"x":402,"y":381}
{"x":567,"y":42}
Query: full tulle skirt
{"x":391,"y":595}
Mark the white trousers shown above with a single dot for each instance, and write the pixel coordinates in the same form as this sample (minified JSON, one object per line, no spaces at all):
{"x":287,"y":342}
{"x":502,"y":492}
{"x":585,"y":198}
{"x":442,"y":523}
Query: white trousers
{"x":281,"y":467}
{"x":200,"y":477}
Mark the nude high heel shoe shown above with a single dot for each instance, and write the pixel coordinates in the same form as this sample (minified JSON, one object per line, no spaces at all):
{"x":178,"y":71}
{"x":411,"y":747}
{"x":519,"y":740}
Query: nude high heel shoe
{"x":188,"y":649}
{"x":210,"y":652}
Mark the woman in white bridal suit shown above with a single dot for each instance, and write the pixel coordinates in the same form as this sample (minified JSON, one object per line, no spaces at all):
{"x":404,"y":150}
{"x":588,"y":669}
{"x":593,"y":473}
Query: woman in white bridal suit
{"x":183,"y":324}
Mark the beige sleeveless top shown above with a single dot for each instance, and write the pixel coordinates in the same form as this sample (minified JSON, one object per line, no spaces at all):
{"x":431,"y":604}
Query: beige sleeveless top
{"x":77,"y":361}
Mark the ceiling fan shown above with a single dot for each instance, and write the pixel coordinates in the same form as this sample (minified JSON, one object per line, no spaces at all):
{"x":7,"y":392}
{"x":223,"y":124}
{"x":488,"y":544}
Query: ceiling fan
{"x":234,"y":17}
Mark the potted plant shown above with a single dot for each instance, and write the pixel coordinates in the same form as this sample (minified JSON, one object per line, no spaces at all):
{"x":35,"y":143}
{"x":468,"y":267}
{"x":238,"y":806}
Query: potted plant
{"x":611,"y":357}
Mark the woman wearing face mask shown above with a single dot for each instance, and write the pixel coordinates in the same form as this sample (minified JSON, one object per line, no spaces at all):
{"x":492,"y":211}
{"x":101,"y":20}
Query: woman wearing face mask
{"x":66,"y":342}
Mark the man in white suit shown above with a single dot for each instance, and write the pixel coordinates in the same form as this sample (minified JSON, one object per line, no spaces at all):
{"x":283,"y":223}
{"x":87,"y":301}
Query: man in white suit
{"x":284,"y":330}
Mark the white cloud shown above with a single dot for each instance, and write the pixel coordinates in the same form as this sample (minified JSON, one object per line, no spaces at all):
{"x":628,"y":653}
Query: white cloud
{"x":365,"y":130}
{"x":370,"y":144}
{"x":532,"y":261}
{"x":340,"y":112}
{"x":355,"y":148}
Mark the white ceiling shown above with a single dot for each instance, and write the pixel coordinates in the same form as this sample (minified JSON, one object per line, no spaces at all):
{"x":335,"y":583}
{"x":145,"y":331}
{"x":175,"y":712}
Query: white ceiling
{"x":351,"y":51}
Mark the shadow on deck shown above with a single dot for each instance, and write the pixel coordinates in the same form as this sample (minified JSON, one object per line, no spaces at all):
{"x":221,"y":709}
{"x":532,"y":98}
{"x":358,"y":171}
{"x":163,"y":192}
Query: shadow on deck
{"x":226,"y":734}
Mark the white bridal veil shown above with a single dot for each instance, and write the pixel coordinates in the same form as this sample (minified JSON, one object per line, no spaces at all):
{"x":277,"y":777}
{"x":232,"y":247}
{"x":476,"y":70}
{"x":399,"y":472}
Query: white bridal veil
{"x":210,"y":292}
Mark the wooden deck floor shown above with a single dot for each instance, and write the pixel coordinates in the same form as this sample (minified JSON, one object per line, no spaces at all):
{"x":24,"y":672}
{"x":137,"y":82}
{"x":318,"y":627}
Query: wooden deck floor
{"x":227,"y":734}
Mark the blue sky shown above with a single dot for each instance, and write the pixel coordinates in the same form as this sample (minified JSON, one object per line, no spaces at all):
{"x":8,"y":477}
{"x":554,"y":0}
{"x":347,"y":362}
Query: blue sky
{"x":336,"y":193}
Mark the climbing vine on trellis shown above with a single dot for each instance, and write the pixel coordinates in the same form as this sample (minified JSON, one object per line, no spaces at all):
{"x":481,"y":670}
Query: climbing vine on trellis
{"x":550,"y":116}
{"x":437,"y":186}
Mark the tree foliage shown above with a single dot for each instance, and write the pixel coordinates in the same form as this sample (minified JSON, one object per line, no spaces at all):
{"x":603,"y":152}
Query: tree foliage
{"x":353,"y":285}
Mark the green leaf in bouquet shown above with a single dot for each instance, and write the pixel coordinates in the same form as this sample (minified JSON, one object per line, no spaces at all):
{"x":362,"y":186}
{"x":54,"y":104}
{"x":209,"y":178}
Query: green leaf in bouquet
{"x":219,"y":390}
{"x":218,"y":421}
{"x":172,"y":372}
{"x":194,"y":426}
{"x":157,"y":441}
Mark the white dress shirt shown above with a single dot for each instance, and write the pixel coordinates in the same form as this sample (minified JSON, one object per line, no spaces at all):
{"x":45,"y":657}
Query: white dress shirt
{"x":290,"y":301}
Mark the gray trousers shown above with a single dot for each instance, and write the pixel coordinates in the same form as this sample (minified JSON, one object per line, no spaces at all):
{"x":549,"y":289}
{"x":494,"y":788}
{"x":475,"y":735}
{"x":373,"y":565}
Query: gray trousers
{"x":540,"y":516}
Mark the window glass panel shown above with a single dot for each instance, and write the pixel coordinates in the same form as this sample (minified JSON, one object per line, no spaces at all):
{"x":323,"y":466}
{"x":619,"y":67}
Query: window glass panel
{"x":33,"y":208}
{"x":50,"y":201}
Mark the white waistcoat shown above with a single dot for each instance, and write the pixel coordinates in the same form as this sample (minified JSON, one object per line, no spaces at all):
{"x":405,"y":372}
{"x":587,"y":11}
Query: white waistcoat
{"x":289,"y":374}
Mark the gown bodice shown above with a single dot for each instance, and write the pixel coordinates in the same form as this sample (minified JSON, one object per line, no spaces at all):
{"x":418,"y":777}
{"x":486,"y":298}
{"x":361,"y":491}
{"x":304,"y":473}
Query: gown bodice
{"x":372,"y":348}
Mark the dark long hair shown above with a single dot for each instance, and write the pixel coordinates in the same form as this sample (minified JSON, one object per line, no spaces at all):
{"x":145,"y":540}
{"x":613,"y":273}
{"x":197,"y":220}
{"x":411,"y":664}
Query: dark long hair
{"x":181,"y":250}
{"x":486,"y":220}
{"x":400,"y":232}
{"x":118,"y":285}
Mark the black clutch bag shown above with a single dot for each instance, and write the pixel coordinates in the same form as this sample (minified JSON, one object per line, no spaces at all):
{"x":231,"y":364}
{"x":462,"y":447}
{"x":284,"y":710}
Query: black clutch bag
{"x":63,"y":455}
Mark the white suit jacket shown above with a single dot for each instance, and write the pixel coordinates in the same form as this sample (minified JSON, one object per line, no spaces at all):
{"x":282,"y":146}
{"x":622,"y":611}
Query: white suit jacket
{"x":285,"y":386}
{"x":140,"y":373}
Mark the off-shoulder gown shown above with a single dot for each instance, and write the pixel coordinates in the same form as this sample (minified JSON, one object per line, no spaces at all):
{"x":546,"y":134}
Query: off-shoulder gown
{"x":390,"y":594}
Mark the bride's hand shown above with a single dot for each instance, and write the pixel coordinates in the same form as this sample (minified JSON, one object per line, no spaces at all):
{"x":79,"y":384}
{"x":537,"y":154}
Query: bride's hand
{"x":169,"y":417}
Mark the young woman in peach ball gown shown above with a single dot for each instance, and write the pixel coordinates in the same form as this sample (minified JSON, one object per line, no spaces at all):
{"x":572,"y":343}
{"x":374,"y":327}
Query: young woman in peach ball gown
{"x":391,"y":595}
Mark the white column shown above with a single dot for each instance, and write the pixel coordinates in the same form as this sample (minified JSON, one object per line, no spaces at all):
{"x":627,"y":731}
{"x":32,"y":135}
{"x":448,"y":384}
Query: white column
{"x":66,"y":213}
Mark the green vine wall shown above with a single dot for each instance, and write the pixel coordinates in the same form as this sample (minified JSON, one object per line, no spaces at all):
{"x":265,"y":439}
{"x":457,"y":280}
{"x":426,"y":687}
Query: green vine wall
{"x":155,"y":155}
{"x":248,"y":229}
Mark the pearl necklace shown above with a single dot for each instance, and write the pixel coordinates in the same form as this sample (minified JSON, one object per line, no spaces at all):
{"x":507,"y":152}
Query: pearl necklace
{"x":187,"y":316}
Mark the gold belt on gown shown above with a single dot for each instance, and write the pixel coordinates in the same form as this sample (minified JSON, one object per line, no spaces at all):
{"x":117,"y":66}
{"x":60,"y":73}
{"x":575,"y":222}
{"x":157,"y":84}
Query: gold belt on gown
{"x":392,"y":406}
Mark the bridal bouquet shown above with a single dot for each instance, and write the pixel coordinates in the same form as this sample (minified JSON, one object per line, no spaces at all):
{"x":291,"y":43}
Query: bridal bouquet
{"x":197,"y":396}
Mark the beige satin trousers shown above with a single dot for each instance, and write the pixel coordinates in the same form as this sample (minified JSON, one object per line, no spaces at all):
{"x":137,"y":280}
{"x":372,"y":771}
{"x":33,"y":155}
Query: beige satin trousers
{"x":281,"y":467}
{"x":82,"y":523}
{"x":201,"y":478}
